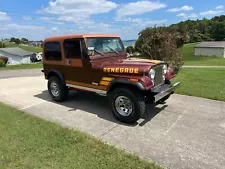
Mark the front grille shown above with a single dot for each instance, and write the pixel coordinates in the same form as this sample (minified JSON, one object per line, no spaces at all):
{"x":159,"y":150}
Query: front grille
{"x":158,"y":80}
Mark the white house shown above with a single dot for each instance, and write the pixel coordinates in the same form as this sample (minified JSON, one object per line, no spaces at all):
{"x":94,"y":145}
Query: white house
{"x":216,"y":49}
{"x":16,"y":55}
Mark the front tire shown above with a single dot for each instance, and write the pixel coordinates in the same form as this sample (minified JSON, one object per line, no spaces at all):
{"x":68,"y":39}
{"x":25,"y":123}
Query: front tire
{"x":57,"y":90}
{"x":126,"y":105}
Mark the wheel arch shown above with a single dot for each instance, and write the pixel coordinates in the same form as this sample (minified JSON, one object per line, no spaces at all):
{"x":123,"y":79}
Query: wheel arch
{"x":125,"y":83}
{"x":57,"y":74}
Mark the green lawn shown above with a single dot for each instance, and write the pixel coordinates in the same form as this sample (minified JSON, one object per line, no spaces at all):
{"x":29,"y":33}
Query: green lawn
{"x":189,"y":58}
{"x":27,"y":48}
{"x":206,"y":83}
{"x":30,"y":142}
{"x":23,"y":66}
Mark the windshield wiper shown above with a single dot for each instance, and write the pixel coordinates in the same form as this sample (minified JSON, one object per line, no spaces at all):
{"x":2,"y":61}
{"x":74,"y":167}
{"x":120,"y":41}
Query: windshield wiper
{"x":112,"y":49}
{"x":99,"y":52}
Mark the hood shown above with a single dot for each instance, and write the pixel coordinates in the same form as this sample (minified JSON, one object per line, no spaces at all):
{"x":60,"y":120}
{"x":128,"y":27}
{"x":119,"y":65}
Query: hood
{"x":139,"y":61}
{"x":125,"y":65}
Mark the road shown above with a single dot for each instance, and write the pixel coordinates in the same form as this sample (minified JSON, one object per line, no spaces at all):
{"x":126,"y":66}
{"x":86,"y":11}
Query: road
{"x":185,"y":133}
{"x":20,"y":73}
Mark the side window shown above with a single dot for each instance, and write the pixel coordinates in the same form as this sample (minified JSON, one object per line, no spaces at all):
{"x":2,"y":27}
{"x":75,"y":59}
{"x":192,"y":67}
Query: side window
{"x":53,"y":51}
{"x":72,"y":49}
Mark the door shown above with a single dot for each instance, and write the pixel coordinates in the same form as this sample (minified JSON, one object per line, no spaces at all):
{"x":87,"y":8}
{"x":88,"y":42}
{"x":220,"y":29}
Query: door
{"x":77,"y":66}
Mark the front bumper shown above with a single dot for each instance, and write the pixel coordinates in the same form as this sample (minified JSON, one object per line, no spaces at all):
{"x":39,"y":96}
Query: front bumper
{"x":164,"y":90}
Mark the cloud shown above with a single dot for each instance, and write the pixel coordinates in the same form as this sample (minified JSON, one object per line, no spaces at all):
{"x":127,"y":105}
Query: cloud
{"x":27,"y":18}
{"x":54,"y":29}
{"x":220,"y":7}
{"x":75,"y":11}
{"x":28,"y":31}
{"x":182,"y":14}
{"x":79,"y":20}
{"x":210,"y":12}
{"x":21,"y":27}
{"x":79,"y":7}
{"x":186,"y":16}
{"x":183,"y":8}
{"x":140,"y":7}
{"x":4,"y":16}
{"x":139,"y":20}
{"x":50,"y":20}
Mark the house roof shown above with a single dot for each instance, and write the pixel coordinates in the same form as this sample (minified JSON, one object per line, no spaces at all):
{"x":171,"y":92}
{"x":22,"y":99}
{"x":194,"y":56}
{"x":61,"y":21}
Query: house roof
{"x":16,"y":51}
{"x":218,"y":44}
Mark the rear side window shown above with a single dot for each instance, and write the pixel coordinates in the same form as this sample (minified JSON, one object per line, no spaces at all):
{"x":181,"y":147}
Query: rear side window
{"x":53,"y":51}
{"x":72,"y":48}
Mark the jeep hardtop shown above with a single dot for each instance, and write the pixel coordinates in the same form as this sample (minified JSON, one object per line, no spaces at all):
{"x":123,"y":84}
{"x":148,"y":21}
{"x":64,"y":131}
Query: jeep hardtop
{"x":99,"y":63}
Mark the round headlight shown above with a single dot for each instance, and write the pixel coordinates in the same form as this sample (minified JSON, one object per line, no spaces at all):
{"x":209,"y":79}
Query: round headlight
{"x":165,"y":68}
{"x":152,"y":73}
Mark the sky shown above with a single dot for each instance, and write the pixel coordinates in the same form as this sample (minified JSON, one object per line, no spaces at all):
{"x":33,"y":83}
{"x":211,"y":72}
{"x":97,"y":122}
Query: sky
{"x":39,"y":19}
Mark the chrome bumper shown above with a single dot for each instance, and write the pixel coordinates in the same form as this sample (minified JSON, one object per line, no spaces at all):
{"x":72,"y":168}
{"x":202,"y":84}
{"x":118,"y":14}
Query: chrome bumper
{"x":166,"y":92}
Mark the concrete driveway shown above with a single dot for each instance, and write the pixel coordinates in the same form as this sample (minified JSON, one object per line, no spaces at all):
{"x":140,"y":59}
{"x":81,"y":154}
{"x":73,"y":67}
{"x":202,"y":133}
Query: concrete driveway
{"x":186,"y":132}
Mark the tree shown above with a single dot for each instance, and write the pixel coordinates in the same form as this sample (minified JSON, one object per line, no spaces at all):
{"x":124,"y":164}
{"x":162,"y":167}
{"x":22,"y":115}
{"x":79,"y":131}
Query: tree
{"x":24,"y":40}
{"x":218,"y":31}
{"x":162,"y":43}
{"x":12,"y":39}
{"x":17,"y":41}
{"x":130,"y":49}
{"x":202,"y":30}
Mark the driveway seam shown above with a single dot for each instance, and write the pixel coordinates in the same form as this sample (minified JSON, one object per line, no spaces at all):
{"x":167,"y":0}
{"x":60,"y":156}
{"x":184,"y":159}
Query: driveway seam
{"x":108,"y":130}
{"x":173,"y":125}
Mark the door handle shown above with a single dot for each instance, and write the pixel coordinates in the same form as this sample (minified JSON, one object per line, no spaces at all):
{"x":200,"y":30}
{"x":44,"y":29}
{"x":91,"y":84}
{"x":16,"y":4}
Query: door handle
{"x":68,"y":62}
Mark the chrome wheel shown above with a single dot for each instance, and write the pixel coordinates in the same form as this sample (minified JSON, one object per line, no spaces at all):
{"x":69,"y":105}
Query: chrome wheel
{"x":54,"y":89}
{"x":123,"y":106}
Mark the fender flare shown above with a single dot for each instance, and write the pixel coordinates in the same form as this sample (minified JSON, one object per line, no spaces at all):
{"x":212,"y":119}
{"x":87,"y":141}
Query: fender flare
{"x":58,"y":74}
{"x":123,"y":81}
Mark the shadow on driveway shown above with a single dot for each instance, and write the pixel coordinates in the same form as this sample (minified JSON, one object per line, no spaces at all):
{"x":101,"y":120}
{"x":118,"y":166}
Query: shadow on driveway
{"x":98,"y":105}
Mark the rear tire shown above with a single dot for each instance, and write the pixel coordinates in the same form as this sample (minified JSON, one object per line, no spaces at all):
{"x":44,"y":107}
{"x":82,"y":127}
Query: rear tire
{"x":57,"y":90}
{"x":127,"y":105}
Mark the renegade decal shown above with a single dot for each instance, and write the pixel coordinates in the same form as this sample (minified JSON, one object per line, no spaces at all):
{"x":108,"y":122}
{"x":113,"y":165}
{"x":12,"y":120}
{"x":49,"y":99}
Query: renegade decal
{"x":121,"y":70}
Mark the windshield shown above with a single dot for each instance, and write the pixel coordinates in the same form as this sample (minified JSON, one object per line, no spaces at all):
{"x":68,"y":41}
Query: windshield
{"x":104,"y":45}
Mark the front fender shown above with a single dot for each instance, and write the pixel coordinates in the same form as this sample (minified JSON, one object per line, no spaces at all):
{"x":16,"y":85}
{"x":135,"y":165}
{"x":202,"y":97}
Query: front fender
{"x":123,"y":81}
{"x":170,"y":74}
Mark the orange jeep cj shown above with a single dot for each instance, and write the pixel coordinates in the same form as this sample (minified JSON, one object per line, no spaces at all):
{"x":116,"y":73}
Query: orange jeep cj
{"x":99,"y":63}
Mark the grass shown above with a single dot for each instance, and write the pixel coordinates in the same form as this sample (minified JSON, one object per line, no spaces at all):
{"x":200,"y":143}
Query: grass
{"x":206,"y":83}
{"x":27,"y":48}
{"x":23,"y":66}
{"x":189,"y":58}
{"x":30,"y":142}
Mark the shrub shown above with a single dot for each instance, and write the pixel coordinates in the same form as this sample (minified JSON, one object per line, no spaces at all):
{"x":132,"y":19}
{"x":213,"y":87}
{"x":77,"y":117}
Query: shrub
{"x":130,"y":49}
{"x":2,"y":45}
{"x":161,"y":43}
{"x":2,"y":63}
